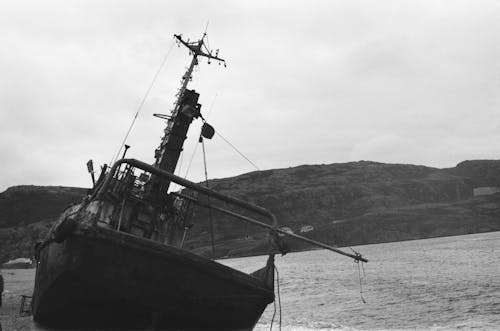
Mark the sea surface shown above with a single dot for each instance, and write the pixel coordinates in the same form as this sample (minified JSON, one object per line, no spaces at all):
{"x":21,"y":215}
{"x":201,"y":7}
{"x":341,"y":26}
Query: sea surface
{"x":445,"y":283}
{"x":448,"y":283}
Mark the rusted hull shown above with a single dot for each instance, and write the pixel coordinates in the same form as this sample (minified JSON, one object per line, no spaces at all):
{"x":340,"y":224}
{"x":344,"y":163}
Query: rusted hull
{"x":102,"y":279}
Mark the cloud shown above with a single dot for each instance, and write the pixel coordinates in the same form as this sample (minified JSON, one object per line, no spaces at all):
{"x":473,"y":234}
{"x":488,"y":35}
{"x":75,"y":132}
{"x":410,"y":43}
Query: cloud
{"x":307,"y":82}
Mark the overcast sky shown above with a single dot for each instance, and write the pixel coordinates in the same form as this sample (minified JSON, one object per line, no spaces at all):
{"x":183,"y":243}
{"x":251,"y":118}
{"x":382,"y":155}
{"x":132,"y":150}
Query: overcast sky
{"x":307,"y":82}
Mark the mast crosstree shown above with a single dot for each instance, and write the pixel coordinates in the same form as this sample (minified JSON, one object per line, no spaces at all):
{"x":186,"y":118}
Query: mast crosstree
{"x":196,"y":49}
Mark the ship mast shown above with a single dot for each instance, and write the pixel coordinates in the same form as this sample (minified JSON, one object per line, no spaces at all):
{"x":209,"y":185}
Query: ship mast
{"x":186,"y":109}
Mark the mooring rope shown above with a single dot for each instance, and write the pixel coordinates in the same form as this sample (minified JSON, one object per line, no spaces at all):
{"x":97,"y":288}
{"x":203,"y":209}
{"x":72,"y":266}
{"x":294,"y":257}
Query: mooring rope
{"x":279,"y":295}
{"x":141,"y":104}
{"x":274,"y":315}
{"x":279,"y":301}
{"x":360,"y":267}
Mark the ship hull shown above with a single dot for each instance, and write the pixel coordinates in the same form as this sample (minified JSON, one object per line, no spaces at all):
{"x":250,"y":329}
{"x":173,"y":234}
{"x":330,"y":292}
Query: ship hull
{"x":103,"y":279}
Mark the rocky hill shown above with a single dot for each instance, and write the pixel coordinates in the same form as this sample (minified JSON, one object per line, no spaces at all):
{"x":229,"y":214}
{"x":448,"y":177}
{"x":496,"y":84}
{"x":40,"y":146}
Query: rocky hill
{"x":26,"y":204}
{"x":344,"y":204}
{"x":26,"y":214}
{"x":356,"y":203}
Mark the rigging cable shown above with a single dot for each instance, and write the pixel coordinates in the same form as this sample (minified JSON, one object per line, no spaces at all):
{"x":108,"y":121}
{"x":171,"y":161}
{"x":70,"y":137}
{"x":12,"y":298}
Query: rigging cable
{"x":178,"y":167}
{"x":208,"y":197}
{"x":196,"y":146}
{"x":234,"y":147}
{"x":181,"y":160}
{"x":190,"y":161}
{"x":142,"y":102}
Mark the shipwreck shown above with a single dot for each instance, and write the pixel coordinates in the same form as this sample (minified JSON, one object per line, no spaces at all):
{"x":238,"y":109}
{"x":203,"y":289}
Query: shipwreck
{"x":116,"y":260}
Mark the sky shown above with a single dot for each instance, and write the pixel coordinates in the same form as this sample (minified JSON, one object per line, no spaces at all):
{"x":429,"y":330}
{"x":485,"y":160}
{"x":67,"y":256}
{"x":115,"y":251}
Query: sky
{"x":307,"y":82}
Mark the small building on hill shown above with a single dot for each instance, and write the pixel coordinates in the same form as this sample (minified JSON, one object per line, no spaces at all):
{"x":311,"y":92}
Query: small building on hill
{"x":485,"y":190}
{"x":19,"y":263}
{"x":306,"y":228}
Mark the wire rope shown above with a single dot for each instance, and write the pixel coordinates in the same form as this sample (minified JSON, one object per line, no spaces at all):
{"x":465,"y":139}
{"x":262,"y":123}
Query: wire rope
{"x":236,"y":149}
{"x":212,"y":237}
{"x":196,"y":146}
{"x":141,"y":104}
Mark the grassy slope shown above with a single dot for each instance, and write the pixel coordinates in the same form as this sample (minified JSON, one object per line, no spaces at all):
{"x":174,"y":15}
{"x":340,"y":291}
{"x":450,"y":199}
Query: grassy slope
{"x":348,"y":203}
{"x":357,"y":202}
{"x":26,"y":213}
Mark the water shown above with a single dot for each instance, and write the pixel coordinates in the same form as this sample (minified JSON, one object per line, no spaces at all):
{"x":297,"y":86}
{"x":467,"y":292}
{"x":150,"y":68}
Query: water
{"x":439,"y":284}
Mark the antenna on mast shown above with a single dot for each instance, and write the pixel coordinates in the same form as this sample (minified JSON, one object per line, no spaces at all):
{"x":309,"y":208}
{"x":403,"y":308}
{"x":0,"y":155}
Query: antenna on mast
{"x":206,"y":27}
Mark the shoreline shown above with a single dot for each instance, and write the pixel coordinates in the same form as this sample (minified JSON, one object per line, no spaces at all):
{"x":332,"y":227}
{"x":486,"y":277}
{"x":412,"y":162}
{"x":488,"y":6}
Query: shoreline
{"x":17,"y":282}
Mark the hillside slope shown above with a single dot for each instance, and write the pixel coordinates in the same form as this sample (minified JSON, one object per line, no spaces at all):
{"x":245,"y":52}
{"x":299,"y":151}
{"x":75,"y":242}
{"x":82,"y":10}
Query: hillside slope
{"x":346,"y":204}
{"x":26,"y":204}
{"x":340,"y":200}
